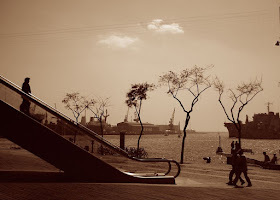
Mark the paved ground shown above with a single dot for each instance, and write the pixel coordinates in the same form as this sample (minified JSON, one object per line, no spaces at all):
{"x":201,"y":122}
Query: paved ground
{"x":24,"y":176}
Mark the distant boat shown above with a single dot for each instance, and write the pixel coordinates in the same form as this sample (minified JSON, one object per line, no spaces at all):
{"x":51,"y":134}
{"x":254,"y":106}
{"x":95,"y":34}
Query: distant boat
{"x":180,"y":134}
{"x":263,"y":126}
{"x":166,"y":133}
{"x":263,"y":164}
{"x":191,"y":131}
{"x":251,"y":161}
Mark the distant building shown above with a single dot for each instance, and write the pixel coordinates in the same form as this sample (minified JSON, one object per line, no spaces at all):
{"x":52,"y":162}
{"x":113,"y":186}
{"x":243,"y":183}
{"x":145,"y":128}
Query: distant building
{"x":134,"y":128}
{"x":174,"y":129}
{"x":130,"y":128}
{"x":94,"y":125}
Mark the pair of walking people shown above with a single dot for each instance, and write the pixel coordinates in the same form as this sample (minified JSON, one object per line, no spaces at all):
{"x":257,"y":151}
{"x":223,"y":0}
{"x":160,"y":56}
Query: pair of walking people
{"x":239,"y":166}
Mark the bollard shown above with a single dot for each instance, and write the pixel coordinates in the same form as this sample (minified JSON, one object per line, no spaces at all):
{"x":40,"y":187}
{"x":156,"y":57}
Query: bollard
{"x":122,"y":139}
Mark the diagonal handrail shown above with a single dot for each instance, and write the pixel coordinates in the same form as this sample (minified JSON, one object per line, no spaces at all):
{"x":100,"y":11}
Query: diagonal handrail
{"x":84,"y":129}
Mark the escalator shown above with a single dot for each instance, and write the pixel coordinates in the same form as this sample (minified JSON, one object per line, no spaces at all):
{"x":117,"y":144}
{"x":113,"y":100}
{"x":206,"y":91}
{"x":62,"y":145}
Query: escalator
{"x":79,"y":152}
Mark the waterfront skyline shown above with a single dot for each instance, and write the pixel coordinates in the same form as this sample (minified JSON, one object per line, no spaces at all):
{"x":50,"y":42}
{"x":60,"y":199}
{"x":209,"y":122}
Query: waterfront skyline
{"x":100,"y":48}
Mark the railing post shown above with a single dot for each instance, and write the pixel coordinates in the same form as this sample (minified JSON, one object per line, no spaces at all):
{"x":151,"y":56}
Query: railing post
{"x":92,"y":142}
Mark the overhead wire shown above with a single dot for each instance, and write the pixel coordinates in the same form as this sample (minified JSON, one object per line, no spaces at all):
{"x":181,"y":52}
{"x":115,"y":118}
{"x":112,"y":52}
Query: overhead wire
{"x":140,"y":27}
{"x":235,"y":16}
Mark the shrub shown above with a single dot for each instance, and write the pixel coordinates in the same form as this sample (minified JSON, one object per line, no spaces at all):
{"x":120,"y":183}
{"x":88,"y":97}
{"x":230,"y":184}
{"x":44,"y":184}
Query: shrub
{"x":132,"y":151}
{"x":105,"y":151}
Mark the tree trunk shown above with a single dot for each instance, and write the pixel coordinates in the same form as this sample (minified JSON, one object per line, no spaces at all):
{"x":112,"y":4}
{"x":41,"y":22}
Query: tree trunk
{"x":74,"y":139}
{"x":184,"y":138}
{"x":138,"y":143}
{"x":238,"y":127}
{"x":239,"y":136}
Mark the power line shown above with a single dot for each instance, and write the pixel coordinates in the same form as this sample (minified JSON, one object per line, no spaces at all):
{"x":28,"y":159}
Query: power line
{"x":139,"y":26}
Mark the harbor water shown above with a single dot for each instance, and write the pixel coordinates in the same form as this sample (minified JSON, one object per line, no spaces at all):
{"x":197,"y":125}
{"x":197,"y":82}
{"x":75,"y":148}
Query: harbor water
{"x":197,"y":146}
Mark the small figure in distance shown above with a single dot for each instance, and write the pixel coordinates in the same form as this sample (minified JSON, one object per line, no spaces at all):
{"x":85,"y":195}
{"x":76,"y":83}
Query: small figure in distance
{"x":237,"y":146}
{"x":232,"y":147}
{"x":242,"y":168}
{"x":208,"y":159}
{"x":25,"y":105}
{"x":274,"y":159}
{"x":266,"y":157}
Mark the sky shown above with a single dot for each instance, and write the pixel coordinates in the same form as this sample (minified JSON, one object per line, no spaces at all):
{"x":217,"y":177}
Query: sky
{"x":100,"y":47}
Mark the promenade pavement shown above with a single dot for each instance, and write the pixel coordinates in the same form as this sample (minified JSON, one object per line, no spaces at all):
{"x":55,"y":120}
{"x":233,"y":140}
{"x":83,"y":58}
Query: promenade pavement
{"x":23,"y":176}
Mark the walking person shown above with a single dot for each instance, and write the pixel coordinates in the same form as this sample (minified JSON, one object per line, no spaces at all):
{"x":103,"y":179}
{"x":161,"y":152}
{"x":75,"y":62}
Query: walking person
{"x":234,"y":164}
{"x":25,"y":105}
{"x":241,"y":168}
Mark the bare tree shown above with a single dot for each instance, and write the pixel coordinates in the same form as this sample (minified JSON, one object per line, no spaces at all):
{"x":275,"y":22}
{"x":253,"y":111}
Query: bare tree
{"x":77,"y":104}
{"x":240,"y":97}
{"x":192,"y":81}
{"x":99,"y":111}
{"x":135,"y":96}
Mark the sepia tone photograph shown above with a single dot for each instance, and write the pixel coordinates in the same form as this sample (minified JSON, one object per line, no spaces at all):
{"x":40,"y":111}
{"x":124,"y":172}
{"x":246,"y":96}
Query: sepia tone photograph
{"x":139,"y":99}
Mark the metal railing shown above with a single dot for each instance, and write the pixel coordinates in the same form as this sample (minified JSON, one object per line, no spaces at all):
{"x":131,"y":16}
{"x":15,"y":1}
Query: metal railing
{"x":71,"y":124}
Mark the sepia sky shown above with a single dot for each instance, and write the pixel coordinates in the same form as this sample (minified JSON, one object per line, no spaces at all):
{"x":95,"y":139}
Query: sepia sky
{"x":100,"y":47}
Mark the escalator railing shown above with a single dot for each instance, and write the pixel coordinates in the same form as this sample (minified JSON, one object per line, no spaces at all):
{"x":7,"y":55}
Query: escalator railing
{"x":84,"y":137}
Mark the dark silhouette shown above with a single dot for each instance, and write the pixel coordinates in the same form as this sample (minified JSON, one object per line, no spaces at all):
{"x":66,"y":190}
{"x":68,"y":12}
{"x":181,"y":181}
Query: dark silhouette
{"x":240,"y":97}
{"x":237,"y":146}
{"x":135,"y":96}
{"x":274,"y":159}
{"x":266,"y":157}
{"x":25,"y":105}
{"x":241,"y":168}
{"x":234,"y":165}
{"x":191,"y":81}
{"x":208,"y":159}
{"x":232,"y":145}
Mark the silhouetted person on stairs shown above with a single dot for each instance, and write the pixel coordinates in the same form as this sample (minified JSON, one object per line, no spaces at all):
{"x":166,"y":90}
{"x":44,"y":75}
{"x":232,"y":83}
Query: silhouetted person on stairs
{"x":25,"y":105}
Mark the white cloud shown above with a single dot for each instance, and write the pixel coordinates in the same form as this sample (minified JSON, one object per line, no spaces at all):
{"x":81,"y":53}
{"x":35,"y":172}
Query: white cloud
{"x":118,"y":41}
{"x":158,"y":26}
